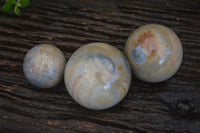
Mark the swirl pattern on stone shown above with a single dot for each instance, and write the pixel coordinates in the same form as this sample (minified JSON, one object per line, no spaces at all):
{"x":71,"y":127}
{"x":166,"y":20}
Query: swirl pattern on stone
{"x":97,"y":76}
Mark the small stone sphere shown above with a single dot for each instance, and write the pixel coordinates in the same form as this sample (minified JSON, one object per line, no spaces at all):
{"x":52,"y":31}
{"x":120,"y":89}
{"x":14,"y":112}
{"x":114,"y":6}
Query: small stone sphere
{"x":154,"y":52}
{"x":44,"y":66}
{"x":97,"y":76}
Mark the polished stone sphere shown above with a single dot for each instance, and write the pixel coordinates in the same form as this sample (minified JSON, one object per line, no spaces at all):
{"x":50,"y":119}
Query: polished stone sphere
{"x":44,"y":66}
{"x":154,"y":52}
{"x":97,"y":76}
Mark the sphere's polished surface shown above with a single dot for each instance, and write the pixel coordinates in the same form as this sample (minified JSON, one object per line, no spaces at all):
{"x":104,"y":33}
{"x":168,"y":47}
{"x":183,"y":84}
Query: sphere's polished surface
{"x":44,"y":66}
{"x":97,"y":76}
{"x":154,"y":52}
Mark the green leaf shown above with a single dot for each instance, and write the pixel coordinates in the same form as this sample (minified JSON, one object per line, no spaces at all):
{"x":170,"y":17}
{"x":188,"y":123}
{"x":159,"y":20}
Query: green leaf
{"x":17,"y":11}
{"x":7,"y":7}
{"x":10,"y":1}
{"x":24,"y":3}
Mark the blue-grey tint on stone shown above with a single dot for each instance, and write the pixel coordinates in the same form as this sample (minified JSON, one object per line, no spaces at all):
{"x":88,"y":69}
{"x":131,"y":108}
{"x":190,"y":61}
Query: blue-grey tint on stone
{"x":138,"y":55}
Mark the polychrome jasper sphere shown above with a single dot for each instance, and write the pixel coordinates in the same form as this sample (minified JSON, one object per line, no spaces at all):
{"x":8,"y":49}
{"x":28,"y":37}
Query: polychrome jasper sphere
{"x":44,"y":66}
{"x":97,"y":76}
{"x":154,"y":52}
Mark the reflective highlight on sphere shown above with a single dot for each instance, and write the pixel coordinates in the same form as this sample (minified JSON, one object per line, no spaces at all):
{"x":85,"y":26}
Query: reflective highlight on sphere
{"x":154,"y":52}
{"x":44,"y":66}
{"x":97,"y":76}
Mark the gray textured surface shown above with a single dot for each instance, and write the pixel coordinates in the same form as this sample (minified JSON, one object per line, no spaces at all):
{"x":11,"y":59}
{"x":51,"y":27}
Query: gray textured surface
{"x":44,"y":65}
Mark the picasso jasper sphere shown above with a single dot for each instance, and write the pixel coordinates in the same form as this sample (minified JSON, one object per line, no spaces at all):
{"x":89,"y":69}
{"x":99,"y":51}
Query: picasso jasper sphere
{"x":44,"y":66}
{"x":154,"y":52}
{"x":97,"y":76}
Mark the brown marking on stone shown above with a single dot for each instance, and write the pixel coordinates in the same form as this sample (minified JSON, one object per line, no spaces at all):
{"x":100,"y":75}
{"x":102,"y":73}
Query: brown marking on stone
{"x":132,"y":43}
{"x":76,"y":81}
{"x":33,"y":67}
{"x":120,"y":67}
{"x":42,"y":71}
{"x":124,"y":89}
{"x":148,"y":42}
{"x":153,"y":53}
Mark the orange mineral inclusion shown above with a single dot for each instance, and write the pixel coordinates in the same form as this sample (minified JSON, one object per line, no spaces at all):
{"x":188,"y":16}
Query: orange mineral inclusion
{"x":148,"y":42}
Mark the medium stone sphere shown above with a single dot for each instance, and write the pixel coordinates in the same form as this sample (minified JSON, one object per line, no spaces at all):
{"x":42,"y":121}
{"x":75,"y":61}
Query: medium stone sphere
{"x":97,"y":76}
{"x":44,"y":66}
{"x":154,"y":52}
